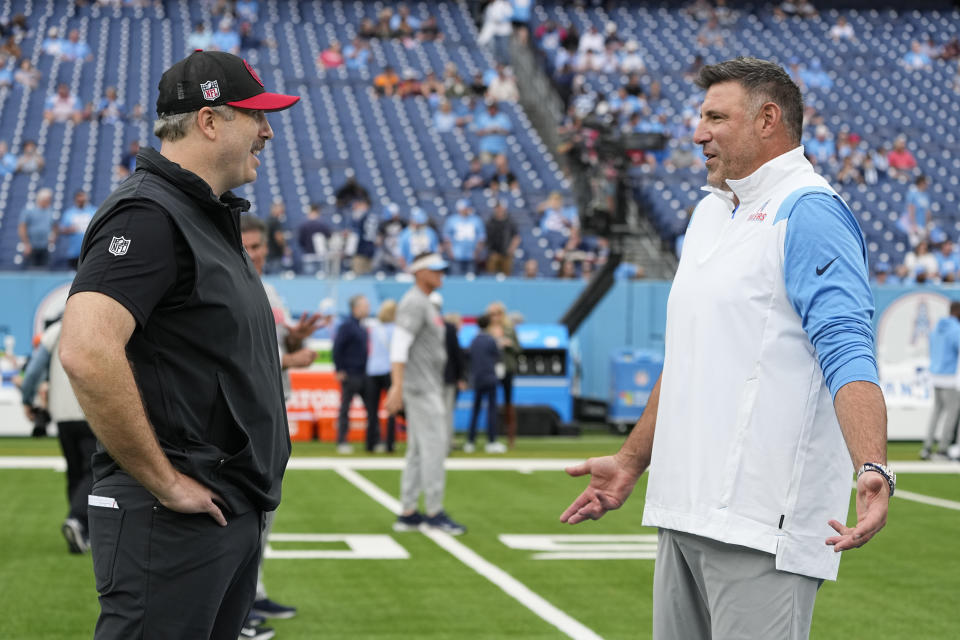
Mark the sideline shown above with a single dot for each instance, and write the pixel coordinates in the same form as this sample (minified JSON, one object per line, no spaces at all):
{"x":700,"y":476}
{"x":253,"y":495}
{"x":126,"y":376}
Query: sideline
{"x":507,"y":583}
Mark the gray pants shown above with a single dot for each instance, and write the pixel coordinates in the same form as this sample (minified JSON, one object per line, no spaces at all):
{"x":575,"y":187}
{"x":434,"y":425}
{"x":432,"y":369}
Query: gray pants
{"x":427,"y":448}
{"x":268,"y":518}
{"x":704,"y":589}
{"x":946,"y":407}
{"x":449,"y":405}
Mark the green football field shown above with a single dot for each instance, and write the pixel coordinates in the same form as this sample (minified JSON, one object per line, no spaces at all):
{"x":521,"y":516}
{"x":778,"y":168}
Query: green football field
{"x":517,"y":573}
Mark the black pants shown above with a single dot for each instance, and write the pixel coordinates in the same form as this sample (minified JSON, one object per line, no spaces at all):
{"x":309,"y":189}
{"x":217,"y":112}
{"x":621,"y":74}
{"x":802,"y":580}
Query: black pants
{"x":78,"y":445}
{"x":376,"y":385}
{"x":167,"y":575}
{"x":352,"y":385}
{"x":490,"y":393}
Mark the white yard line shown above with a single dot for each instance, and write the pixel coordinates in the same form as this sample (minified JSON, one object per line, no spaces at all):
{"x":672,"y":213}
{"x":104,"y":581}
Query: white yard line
{"x":510,"y":585}
{"x":935,"y":502}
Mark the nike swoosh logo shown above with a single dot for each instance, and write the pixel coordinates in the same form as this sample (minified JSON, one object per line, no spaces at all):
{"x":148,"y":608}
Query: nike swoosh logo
{"x":820,"y":270}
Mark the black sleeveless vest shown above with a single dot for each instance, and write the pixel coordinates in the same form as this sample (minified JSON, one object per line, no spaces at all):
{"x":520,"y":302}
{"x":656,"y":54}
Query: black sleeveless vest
{"x":208,"y":369}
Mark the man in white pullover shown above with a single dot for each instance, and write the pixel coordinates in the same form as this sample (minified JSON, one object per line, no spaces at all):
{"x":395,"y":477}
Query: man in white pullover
{"x":769,"y":387}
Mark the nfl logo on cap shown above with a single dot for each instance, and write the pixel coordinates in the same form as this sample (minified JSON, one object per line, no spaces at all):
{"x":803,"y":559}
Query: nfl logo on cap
{"x":211,"y":90}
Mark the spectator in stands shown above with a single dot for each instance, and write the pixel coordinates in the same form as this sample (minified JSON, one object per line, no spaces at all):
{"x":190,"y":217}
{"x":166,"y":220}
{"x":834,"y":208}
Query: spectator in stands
{"x":950,"y":50}
{"x":632,"y":61}
{"x":312,"y":236}
{"x":492,"y":127}
{"x":453,"y":85}
{"x":11,"y":48}
{"x":503,"y":88}
{"x":36,"y":230}
{"x":592,"y":40}
{"x":882,"y":275}
{"x":503,"y":179}
{"x":445,"y":120}
{"x":464,"y":236}
{"x":849,"y":173}
{"x":567,"y":270}
{"x":249,"y":40}
{"x":350,"y":191}
{"x":388,"y":240}
{"x":431,"y":86}
{"x":73,"y":49}
{"x":350,"y":350}
{"x":248,"y":10}
{"x":382,"y":28}
{"x":7,"y":65}
{"x":800,"y":9}
{"x":357,"y":54}
{"x":559,"y":222}
{"x":129,"y":159}
{"x":531,"y":269}
{"x":365,"y":225}
{"x":842,"y":30}
{"x":403,"y":17}
{"x":417,"y":238}
{"x":429,"y":30}
{"x":386,"y":82}
{"x":109,"y":109}
{"x":869,"y":170}
{"x":367,"y":29}
{"x":947,"y":255}
{"x":814,"y":77}
{"x":711,"y":35}
{"x":279,"y":253}
{"x":475,"y":177}
{"x":916,"y":59}
{"x":27,"y":75}
{"x":920,"y":261}
{"x":410,"y":86}
{"x":199,"y":38}
{"x":30,"y":160}
{"x":226,"y":38}
{"x":496,"y":29}
{"x":378,"y":376}
{"x":821,"y":149}
{"x":916,"y":221}
{"x":900,"y":161}
{"x":502,"y":240}
{"x":331,"y":57}
{"x":73,"y":224}
{"x":8,"y":160}
{"x":521,"y":18}
{"x":63,"y":106}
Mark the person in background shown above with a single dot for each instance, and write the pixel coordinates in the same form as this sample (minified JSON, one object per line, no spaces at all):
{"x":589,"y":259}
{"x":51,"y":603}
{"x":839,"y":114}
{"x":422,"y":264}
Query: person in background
{"x":312,"y":236}
{"x":36,"y":230}
{"x":502,"y":241}
{"x":945,"y":377}
{"x":419,"y":237}
{"x":503,"y":331}
{"x":278,"y":250}
{"x":386,"y":82}
{"x":454,"y":372}
{"x":8,"y":161}
{"x":417,"y":358}
{"x":199,"y":38}
{"x":364,"y":223}
{"x":388,"y":239}
{"x":916,"y":221}
{"x":350,"y":352}
{"x":378,"y":377}
{"x":464,"y":236}
{"x":484,"y":362}
{"x":531,"y":269}
{"x":109,"y":109}
{"x":73,"y":224}
{"x":77,"y":442}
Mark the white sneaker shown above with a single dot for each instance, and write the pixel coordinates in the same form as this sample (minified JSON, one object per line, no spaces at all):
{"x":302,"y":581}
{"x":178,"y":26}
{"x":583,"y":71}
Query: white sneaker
{"x":380,"y":448}
{"x":495,"y":447}
{"x":468,"y":447}
{"x":344,"y":449}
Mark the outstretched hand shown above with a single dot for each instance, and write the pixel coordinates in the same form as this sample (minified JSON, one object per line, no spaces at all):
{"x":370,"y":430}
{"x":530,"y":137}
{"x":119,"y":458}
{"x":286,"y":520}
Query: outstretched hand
{"x":610,"y":485}
{"x":873,"y":497}
{"x":305,"y":326}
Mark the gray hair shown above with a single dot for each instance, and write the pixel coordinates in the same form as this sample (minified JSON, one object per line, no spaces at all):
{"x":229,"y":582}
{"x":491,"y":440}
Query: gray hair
{"x":764,"y":81}
{"x":170,"y":127}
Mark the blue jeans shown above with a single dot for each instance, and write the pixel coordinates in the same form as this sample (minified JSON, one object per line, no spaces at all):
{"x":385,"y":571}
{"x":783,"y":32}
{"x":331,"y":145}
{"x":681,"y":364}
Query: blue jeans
{"x":490,"y":393}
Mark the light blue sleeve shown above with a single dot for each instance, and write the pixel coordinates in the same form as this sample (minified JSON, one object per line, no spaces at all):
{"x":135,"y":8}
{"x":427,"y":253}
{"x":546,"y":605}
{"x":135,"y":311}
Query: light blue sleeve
{"x":35,"y":373}
{"x":825,"y":271}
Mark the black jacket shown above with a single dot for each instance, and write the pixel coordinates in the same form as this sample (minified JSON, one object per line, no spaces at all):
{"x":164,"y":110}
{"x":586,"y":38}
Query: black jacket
{"x":455,"y":369}
{"x":350,"y":348}
{"x":208,"y":368}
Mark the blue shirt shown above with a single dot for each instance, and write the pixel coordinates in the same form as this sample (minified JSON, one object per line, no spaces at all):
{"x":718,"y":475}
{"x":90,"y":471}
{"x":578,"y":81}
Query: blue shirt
{"x":820,"y":150}
{"x":39,"y":224}
{"x":948,"y":264}
{"x":494,"y":143}
{"x":945,"y":347}
{"x":74,"y":50}
{"x":228,"y":41}
{"x":358,"y":61}
{"x":921,"y":204}
{"x":522,"y":10}
{"x":444,"y":122}
{"x":463,"y":233}
{"x":825,"y":273}
{"x":413,"y":242}
{"x":113,"y":112}
{"x":8,"y":164}
{"x":378,"y":359}
{"x":79,"y":218}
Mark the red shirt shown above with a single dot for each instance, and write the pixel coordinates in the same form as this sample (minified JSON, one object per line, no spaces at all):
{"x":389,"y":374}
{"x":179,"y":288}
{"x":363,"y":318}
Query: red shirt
{"x":901,"y":160}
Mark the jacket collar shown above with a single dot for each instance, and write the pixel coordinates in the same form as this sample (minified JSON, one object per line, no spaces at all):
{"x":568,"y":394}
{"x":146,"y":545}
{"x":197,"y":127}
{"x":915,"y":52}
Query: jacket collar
{"x":151,"y":160}
{"x":765,"y":178}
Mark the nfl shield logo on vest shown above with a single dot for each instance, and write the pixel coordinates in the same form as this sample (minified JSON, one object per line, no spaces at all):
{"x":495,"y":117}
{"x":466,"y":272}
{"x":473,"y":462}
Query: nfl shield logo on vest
{"x":119,"y":245}
{"x":211,"y":90}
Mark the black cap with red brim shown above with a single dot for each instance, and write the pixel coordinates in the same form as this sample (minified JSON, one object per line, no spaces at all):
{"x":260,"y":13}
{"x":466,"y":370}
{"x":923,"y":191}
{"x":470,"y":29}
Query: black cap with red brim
{"x":213,"y":78}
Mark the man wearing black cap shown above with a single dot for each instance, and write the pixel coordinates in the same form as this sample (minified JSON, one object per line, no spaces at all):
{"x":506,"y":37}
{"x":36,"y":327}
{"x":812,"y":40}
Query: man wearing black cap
{"x":170,"y":345}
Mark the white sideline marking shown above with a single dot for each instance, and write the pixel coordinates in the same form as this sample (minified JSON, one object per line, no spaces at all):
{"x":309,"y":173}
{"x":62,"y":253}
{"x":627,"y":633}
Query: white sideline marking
{"x":361,"y":547}
{"x":510,"y":585}
{"x":585,"y":547}
{"x":930,"y":500}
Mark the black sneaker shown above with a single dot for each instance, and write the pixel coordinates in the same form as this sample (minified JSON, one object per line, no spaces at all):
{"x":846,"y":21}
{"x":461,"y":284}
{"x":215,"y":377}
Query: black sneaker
{"x":411,"y":522}
{"x":76,"y":538}
{"x":256,"y":633}
{"x":270,"y":609}
{"x":442,"y":521}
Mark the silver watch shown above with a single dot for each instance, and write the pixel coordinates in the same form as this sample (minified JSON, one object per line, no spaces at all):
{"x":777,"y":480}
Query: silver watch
{"x":883,"y":470}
